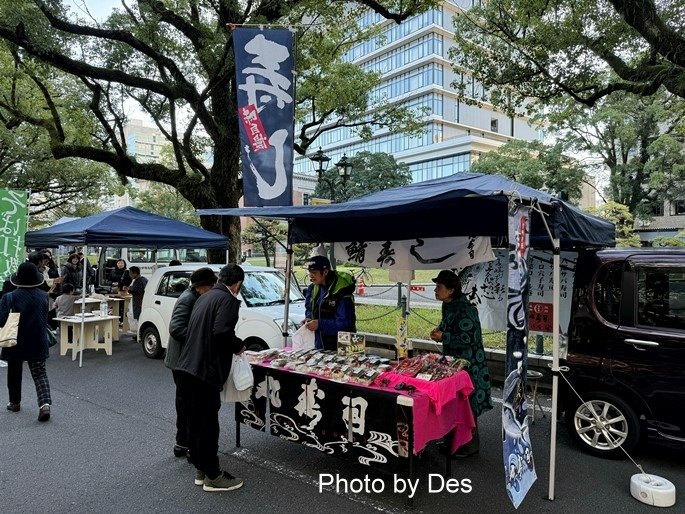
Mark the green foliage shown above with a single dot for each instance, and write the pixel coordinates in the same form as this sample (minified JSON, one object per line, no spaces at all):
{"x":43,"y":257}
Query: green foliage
{"x":371,"y":172}
{"x":620,"y":216}
{"x":582,"y":49}
{"x":166,"y":201}
{"x":266,"y":233}
{"x":639,"y":140}
{"x":534,"y":164}
{"x":174,"y":61}
{"x":668,"y":241}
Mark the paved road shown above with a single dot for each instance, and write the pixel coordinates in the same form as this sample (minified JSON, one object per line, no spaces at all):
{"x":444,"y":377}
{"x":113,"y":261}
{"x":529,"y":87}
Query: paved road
{"x":107,"y":449}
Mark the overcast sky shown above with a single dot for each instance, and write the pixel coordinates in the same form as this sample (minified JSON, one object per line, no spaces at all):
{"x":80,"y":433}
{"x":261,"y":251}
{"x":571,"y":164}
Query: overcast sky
{"x":98,"y":8}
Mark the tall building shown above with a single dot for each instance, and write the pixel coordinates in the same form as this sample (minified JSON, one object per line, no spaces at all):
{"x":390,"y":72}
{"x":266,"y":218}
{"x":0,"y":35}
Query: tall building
{"x":413,"y":60}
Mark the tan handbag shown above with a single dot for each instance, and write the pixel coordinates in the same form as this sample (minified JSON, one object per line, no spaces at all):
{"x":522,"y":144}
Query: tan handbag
{"x":8,"y":333}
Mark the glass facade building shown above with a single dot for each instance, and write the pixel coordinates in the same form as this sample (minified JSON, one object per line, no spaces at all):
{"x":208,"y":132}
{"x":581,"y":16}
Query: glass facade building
{"x":413,"y":60}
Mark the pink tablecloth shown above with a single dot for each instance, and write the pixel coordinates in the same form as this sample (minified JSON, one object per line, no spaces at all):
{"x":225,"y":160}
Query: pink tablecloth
{"x":439,"y":407}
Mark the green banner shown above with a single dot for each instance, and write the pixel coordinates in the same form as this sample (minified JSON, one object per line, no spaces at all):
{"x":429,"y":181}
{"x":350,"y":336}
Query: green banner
{"x":13,"y":220}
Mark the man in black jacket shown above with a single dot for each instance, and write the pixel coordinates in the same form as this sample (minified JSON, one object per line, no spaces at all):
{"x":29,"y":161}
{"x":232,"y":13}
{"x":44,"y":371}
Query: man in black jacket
{"x":203,"y":367}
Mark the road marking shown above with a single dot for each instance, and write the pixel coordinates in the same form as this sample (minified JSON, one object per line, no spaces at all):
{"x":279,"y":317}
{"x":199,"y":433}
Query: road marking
{"x":250,"y":457}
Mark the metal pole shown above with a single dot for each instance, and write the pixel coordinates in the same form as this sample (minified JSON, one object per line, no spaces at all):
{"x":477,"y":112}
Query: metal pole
{"x":288,"y":277}
{"x":556,"y":260}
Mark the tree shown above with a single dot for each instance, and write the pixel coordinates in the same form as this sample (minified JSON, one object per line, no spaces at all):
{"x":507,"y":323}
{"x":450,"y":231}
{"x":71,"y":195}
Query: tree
{"x":166,"y":201}
{"x":174,"y":59}
{"x":536,"y":165}
{"x":582,"y":49}
{"x":267,"y":234}
{"x":638,"y":139}
{"x":370,"y":172}
{"x":71,"y":187}
{"x":620,"y":216}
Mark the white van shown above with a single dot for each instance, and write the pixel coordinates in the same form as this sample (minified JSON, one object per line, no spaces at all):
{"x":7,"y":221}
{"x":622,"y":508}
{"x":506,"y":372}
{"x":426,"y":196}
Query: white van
{"x":261,"y":310}
{"x":148,"y":260}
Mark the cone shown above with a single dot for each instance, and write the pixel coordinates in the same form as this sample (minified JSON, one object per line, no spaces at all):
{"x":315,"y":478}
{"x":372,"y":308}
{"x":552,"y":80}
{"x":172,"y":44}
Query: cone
{"x":361,"y":287}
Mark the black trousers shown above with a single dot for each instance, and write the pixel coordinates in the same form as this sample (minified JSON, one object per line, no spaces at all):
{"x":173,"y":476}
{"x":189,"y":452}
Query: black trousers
{"x":40,"y":379}
{"x":181,"y":413}
{"x":202,"y":403}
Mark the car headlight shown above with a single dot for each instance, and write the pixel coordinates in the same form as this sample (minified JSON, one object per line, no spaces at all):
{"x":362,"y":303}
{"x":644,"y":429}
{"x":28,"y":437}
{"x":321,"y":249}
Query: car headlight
{"x":292,"y":326}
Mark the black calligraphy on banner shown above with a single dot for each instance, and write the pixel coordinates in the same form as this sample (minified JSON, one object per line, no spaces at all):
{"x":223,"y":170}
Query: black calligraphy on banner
{"x":264,"y":66}
{"x":356,"y":251}
{"x":386,"y":254}
{"x":253,"y":412}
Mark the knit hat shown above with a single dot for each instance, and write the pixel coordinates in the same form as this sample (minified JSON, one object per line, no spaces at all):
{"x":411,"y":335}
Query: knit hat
{"x":203,"y":277}
{"x":27,"y":275}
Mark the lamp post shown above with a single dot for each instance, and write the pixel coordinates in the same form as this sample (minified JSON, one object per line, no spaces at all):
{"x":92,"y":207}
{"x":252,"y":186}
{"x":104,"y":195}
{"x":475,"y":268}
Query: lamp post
{"x":344,"y":166}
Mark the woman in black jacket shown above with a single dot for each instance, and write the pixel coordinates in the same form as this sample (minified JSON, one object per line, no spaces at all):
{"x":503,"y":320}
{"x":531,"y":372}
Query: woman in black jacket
{"x":72,"y":272}
{"x":119,"y":277}
{"x":32,"y":342}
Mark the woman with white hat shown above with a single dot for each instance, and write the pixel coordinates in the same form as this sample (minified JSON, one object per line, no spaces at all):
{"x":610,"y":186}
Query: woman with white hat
{"x":32,"y":342}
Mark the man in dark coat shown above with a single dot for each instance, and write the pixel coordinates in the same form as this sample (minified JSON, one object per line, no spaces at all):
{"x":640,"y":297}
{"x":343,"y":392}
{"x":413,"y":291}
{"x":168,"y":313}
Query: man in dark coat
{"x":201,"y":281}
{"x":203,"y":367}
{"x":32,"y":342}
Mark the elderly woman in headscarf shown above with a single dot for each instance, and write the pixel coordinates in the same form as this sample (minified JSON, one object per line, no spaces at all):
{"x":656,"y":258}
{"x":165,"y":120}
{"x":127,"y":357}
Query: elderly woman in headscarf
{"x":31,"y":302}
{"x":460,"y":335}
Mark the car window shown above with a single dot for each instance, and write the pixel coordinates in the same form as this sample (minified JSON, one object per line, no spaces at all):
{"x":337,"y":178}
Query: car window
{"x":607,"y":291}
{"x":173,"y":283}
{"x":661,"y":297}
{"x":266,"y":288}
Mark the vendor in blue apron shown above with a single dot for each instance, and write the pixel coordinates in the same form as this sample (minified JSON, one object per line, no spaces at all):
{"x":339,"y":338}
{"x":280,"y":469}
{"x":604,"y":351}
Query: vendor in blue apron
{"x":329,"y":304}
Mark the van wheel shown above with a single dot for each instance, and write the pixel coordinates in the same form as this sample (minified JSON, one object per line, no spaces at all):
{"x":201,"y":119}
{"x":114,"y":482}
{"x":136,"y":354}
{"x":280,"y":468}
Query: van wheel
{"x":152,"y":344}
{"x":255,"y":345}
{"x":603,"y":425}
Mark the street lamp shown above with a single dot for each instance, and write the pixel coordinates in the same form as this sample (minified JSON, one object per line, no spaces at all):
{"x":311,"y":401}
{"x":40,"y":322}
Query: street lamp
{"x":321,"y":159}
{"x":344,"y":168}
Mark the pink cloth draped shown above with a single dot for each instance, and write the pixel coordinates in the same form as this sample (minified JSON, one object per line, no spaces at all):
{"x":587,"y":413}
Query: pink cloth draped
{"x":439,"y":407}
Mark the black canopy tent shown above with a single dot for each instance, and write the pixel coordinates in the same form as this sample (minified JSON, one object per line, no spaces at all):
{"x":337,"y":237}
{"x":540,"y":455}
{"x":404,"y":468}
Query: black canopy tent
{"x":463,"y":204}
{"x":124,"y":227}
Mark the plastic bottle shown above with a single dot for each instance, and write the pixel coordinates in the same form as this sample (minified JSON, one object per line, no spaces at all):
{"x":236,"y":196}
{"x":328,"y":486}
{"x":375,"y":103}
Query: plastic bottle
{"x":103,"y":308}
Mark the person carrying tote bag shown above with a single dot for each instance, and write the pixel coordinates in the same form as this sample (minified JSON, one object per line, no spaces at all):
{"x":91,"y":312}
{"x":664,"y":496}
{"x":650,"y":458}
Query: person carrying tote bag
{"x":32,"y":343}
{"x":8,"y":332}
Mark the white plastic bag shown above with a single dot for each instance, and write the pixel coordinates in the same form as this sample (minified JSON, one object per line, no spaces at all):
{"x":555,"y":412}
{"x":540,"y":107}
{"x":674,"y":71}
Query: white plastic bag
{"x":229,"y":394}
{"x":242,"y":373}
{"x":304,"y":339}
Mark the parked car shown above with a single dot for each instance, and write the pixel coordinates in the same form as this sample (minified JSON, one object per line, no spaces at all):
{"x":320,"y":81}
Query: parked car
{"x":626,"y":350}
{"x":261,"y":311}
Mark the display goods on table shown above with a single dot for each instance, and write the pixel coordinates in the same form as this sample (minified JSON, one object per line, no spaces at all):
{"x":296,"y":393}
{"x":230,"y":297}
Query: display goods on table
{"x":364,"y":407}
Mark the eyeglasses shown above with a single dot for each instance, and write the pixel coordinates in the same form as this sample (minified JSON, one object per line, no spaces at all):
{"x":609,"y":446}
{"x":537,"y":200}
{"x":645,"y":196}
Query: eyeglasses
{"x":405,"y":387}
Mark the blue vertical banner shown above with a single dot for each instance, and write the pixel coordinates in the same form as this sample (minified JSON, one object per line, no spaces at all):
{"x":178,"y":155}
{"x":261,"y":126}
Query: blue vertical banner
{"x":519,"y":467}
{"x":13,"y":221}
{"x":265,"y":81}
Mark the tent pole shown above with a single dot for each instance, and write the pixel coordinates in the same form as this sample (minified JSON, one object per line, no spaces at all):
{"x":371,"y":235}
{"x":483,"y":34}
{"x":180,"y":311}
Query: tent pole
{"x":286,"y":293}
{"x":83,"y":307}
{"x":556,"y":260}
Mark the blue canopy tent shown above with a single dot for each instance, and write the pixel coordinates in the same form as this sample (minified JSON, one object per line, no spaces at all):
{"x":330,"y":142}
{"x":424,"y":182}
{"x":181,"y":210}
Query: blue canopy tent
{"x":463,"y":204}
{"x":124,"y":227}
{"x":127,"y":227}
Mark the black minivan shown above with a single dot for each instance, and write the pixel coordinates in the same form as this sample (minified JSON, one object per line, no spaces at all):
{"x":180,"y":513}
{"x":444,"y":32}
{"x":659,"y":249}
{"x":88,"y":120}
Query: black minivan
{"x":626,"y":350}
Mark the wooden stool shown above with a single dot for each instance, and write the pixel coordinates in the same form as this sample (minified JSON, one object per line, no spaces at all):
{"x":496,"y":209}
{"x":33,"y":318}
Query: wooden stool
{"x":532,"y":383}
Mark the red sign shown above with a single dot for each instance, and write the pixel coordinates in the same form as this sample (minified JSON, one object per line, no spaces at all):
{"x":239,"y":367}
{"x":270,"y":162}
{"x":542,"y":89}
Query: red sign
{"x":417,"y":288}
{"x":253,"y":127}
{"x":540,"y":317}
